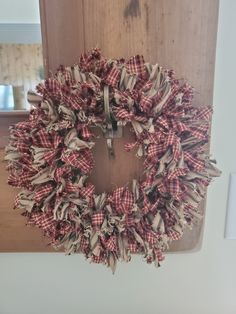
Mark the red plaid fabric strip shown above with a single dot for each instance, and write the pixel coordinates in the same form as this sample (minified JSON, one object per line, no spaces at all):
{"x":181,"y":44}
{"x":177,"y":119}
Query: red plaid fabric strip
{"x":174,"y":235}
{"x":147,"y":86}
{"x":22,"y":146}
{"x":121,"y":113}
{"x":110,"y":244}
{"x":50,"y":156}
{"x":61,"y":172}
{"x":193,"y":161}
{"x":156,"y":149}
{"x":24,"y":125}
{"x":98,"y":259}
{"x":87,"y":191}
{"x":17,"y":200}
{"x":163,"y":122}
{"x":44,"y":221}
{"x":82,"y":159}
{"x":146,"y":103}
{"x":129,"y":220}
{"x":200,"y":132}
{"x":20,"y":179}
{"x":132,"y":247}
{"x":42,"y":192}
{"x":177,"y":173}
{"x":174,"y":187}
{"x":84,"y":243}
{"x":113,"y":76}
{"x":159,"y":255}
{"x":179,"y":126}
{"x":205,"y":113}
{"x":85,"y":132}
{"x":123,"y":200}
{"x":176,"y":150}
{"x":171,"y":138}
{"x":97,"y":219}
{"x":136,"y":65}
{"x":43,"y":139}
{"x":71,"y":188}
{"x":117,"y":195}
{"x":151,"y":237}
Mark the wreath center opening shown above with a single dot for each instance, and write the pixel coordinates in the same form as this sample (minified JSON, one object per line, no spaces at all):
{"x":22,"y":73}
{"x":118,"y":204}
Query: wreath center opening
{"x":110,"y":173}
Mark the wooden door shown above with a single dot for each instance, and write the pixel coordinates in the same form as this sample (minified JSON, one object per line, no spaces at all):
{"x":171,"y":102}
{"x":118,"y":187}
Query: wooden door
{"x":178,"y":34}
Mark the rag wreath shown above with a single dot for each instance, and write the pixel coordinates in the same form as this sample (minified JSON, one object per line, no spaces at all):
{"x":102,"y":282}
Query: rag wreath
{"x":50,"y":157}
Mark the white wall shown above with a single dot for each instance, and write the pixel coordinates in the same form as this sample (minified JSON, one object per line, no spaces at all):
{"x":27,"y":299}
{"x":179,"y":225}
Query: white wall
{"x":19,"y":11}
{"x":203,"y":282}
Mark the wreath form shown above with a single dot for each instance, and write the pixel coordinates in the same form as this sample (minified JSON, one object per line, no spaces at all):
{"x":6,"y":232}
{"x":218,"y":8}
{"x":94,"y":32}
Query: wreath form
{"x":50,"y":157}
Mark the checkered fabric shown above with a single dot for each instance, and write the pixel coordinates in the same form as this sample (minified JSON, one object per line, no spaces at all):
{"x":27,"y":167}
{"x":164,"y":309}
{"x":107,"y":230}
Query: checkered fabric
{"x":168,"y":131}
{"x":87,"y":191}
{"x":146,"y":103}
{"x":113,"y":77}
{"x":136,"y":65}
{"x":174,"y":235}
{"x":110,"y":243}
{"x":196,"y":163}
{"x":122,"y":200}
{"x":79,"y":159}
{"x":97,"y":219}
{"x":42,"y":192}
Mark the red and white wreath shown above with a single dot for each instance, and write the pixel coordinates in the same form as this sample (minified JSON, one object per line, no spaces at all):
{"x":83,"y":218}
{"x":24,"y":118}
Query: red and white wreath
{"x":50,"y":157}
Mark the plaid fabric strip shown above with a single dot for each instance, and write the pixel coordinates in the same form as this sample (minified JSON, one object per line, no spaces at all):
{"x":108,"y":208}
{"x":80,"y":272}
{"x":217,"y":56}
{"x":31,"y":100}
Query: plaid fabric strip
{"x":61,"y":172}
{"x":159,"y":255}
{"x":200,"y":132}
{"x":123,"y":200}
{"x":193,"y":161}
{"x":151,"y":237}
{"x":176,"y":150}
{"x":84,"y":243}
{"x":147,"y":86}
{"x":205,"y":113}
{"x":21,"y":179}
{"x":156,"y":149}
{"x":22,"y":146}
{"x":44,"y":221}
{"x":110,"y":244}
{"x":174,"y":235}
{"x":71,"y":188}
{"x":42,"y":191}
{"x":177,"y":173}
{"x":136,"y":65}
{"x":179,"y":126}
{"x":82,"y":159}
{"x":174,"y":187}
{"x":85,"y":132}
{"x":87,"y":191}
{"x":43,"y":139}
{"x":98,"y":259}
{"x":132,"y":247}
{"x":97,"y":219}
{"x":24,"y":125}
{"x":163,"y":122}
{"x":64,"y":227}
{"x":171,"y":138}
{"x":50,"y":156}
{"x":122,"y":113}
{"x":129,"y":220}
{"x":146,"y":103}
{"x":113,"y":76}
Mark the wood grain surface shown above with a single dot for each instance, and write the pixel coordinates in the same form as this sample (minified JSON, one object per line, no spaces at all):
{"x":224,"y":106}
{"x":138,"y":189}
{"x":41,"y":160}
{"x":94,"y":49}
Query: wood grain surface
{"x":178,"y":34}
